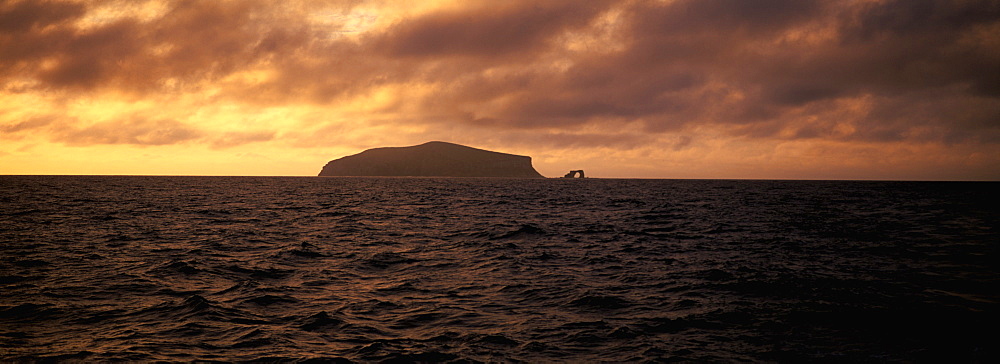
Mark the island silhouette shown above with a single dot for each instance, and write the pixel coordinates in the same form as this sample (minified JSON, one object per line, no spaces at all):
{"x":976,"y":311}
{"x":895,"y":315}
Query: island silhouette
{"x":432,"y":159}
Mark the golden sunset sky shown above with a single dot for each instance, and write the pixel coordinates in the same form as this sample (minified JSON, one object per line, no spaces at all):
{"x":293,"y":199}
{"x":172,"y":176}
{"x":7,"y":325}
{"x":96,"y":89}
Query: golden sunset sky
{"x":785,"y":89}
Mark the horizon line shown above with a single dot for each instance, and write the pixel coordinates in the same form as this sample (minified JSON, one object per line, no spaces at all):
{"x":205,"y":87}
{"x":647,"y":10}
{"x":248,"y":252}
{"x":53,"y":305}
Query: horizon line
{"x":557,"y":178}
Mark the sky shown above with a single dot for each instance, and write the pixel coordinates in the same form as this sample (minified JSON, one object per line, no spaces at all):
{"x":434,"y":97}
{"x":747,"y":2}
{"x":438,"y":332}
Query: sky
{"x":766,"y":89}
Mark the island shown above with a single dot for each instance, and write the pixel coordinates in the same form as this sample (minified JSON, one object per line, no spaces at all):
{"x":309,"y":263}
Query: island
{"x":432,"y":159}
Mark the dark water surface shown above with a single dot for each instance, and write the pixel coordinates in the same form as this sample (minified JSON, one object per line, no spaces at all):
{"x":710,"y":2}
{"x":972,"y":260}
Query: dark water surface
{"x":427,"y":269}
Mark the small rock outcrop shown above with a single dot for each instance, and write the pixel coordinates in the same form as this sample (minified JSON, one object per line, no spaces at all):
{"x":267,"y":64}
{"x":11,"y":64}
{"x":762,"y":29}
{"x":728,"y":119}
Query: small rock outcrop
{"x":572,"y":174}
{"x":432,"y":159}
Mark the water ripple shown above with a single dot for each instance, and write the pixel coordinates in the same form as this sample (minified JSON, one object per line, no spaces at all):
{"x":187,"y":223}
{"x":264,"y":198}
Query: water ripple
{"x":495,"y":270}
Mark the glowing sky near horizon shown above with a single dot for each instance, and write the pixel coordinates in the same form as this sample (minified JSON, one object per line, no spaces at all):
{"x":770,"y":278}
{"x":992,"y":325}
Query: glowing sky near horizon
{"x":853,"y":89}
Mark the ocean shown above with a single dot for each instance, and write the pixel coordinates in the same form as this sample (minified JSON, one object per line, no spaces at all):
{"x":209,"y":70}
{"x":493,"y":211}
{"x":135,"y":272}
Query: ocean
{"x":276,"y":269}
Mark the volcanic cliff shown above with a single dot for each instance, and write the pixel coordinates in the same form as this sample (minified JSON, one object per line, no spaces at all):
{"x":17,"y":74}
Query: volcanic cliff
{"x":432,"y":159}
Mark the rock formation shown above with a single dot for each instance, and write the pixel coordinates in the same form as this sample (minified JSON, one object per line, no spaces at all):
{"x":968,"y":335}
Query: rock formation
{"x":572,"y":174}
{"x":432,"y":159}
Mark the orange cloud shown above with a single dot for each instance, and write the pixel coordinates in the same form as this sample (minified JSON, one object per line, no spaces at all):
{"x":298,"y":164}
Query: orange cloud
{"x":655,"y":80}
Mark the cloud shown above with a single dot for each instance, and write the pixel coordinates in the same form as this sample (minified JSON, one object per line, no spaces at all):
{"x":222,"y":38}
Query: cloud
{"x":133,"y":130}
{"x":501,"y":29}
{"x":768,"y":67}
{"x":190,"y":42}
{"x":25,"y":16}
{"x":29,"y":124}
{"x":232,"y":139}
{"x":136,"y":130}
{"x":543,"y":73}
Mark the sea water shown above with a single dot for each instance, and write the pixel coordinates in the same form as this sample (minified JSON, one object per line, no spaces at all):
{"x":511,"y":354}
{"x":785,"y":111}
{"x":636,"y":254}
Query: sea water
{"x":485,"y":270}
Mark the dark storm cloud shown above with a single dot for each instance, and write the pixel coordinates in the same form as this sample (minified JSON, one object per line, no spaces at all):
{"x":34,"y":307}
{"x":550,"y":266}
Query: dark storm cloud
{"x":86,"y":60}
{"x":25,"y":16}
{"x":658,"y":21}
{"x":194,"y":41}
{"x":923,"y":43}
{"x":682,"y":61}
{"x":896,"y":47}
{"x":510,"y":28}
{"x":893,"y":70}
{"x":909,"y":17}
{"x":559,"y":140}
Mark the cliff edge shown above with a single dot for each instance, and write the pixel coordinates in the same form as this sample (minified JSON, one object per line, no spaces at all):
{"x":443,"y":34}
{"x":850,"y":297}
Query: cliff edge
{"x":432,"y":159}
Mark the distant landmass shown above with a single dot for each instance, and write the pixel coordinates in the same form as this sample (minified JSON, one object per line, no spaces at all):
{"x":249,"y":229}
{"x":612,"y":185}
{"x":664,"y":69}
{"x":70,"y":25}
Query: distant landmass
{"x":432,"y":159}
